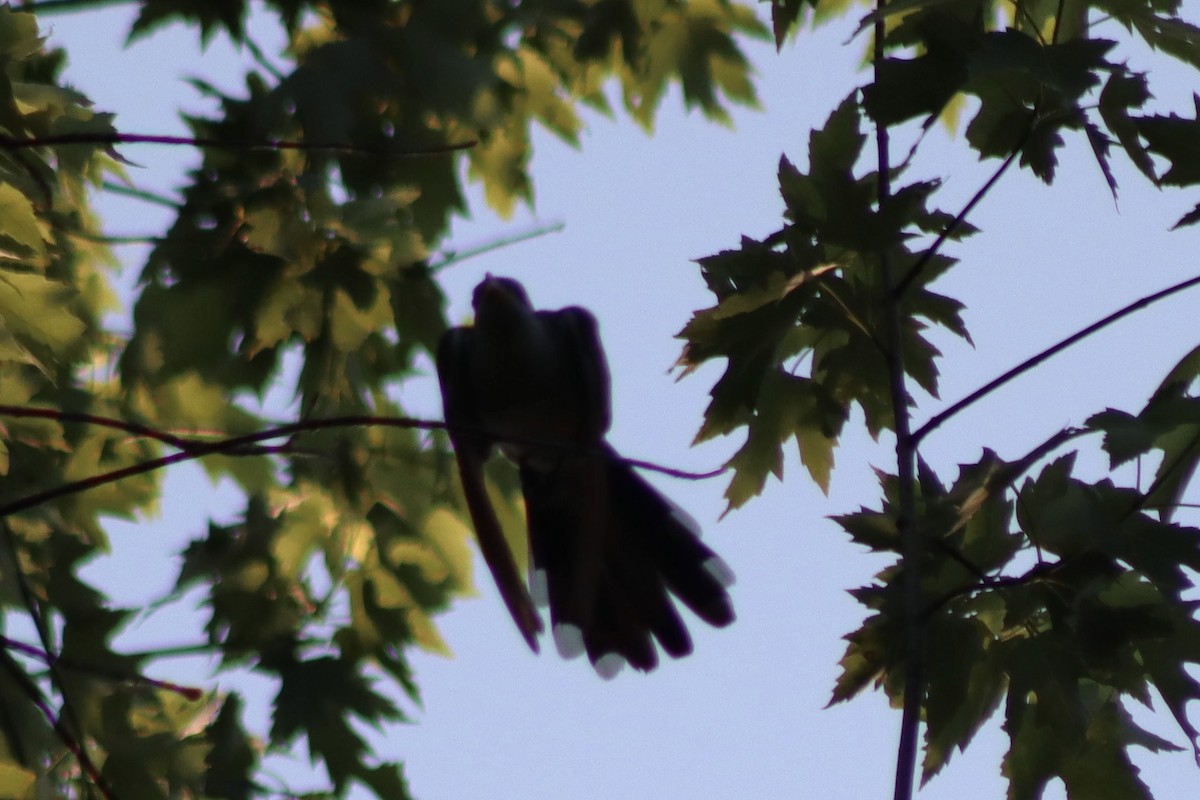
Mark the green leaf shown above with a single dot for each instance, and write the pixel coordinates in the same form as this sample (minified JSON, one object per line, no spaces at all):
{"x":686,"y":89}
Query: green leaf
{"x":316,"y":697}
{"x":1169,"y":33}
{"x":15,"y":781}
{"x":1069,"y":68}
{"x":966,"y":685}
{"x":386,"y":780}
{"x":209,"y":14}
{"x":1170,"y":422}
{"x":1175,"y":139}
{"x":1190,"y":218}
{"x":694,"y":44}
{"x":21,"y":234}
{"x":787,"y":406}
{"x":905,"y":88}
{"x":37,"y":310}
{"x":785,"y":15}
{"x":870,"y":659}
{"x":233,"y":757}
{"x":1125,"y":91}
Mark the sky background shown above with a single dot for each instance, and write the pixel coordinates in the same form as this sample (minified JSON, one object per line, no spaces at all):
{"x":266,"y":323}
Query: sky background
{"x":745,"y":714}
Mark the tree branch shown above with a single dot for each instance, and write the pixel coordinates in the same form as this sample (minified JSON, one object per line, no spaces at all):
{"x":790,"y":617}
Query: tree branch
{"x":1020,"y":369}
{"x":16,"y":143}
{"x":188,"y":692}
{"x":250,"y":444}
{"x":911,"y":543}
{"x":73,"y":743}
{"x":450,"y":257}
{"x":64,"y":6}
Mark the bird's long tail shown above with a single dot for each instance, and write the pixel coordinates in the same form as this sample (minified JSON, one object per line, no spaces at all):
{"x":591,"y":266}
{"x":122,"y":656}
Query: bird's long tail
{"x":496,"y":552}
{"x":649,"y":550}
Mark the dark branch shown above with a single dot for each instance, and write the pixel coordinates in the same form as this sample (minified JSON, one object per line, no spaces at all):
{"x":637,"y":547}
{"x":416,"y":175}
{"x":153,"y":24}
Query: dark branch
{"x":188,"y":692}
{"x":1137,"y":305}
{"x":64,"y":6}
{"x":250,"y":444}
{"x":75,"y":745}
{"x":15,"y":143}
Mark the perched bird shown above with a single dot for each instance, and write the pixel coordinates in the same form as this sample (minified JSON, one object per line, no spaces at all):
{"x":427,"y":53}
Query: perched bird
{"x":607,"y":549}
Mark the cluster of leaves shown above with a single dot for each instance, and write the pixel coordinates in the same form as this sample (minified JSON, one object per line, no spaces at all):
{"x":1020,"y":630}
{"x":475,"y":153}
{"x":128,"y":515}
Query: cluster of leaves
{"x":1055,"y":596}
{"x":316,"y":255}
{"x":53,"y":292}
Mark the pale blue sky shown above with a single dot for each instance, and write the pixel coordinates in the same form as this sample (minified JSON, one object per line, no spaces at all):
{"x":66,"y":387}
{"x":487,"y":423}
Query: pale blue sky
{"x":744,"y":715}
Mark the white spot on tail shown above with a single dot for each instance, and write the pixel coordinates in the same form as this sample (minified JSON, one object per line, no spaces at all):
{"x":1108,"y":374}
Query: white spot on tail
{"x":538,"y":588}
{"x":568,"y":639}
{"x":720,"y":570}
{"x":609,"y":665}
{"x":682,"y":517}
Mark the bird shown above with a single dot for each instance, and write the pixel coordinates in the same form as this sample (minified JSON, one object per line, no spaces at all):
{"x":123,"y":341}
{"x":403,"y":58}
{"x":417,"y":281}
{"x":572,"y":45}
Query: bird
{"x":607,"y":549}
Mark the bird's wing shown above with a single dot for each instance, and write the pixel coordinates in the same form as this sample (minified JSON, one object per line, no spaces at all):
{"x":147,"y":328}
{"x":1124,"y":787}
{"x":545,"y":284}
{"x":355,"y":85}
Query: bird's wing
{"x":568,"y":505}
{"x":472,"y":445}
{"x":627,"y":546}
{"x":576,"y":331}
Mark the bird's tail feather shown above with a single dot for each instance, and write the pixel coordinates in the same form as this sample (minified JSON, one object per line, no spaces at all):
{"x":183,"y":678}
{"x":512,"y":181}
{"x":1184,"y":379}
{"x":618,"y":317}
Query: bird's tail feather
{"x":496,"y":552}
{"x":651,"y":550}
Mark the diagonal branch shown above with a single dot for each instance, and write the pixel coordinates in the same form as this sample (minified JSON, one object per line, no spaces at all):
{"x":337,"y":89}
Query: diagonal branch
{"x":1020,"y":369}
{"x":915,"y":272}
{"x":187,"y":692}
{"x":34,"y":695}
{"x":73,"y":743}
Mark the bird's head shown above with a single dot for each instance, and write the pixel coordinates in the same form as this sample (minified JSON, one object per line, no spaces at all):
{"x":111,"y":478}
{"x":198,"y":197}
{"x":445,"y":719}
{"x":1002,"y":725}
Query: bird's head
{"x":500,"y":301}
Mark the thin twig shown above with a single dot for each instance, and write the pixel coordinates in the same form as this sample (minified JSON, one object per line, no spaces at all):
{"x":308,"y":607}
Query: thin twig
{"x":100,"y":238}
{"x":64,"y":6}
{"x":450,"y":257}
{"x":135,"y":428}
{"x":1137,"y":305}
{"x":189,"y":692}
{"x":246,"y":444}
{"x":76,"y":745}
{"x":34,"y":695}
{"x":915,"y":272}
{"x":16,"y":142}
